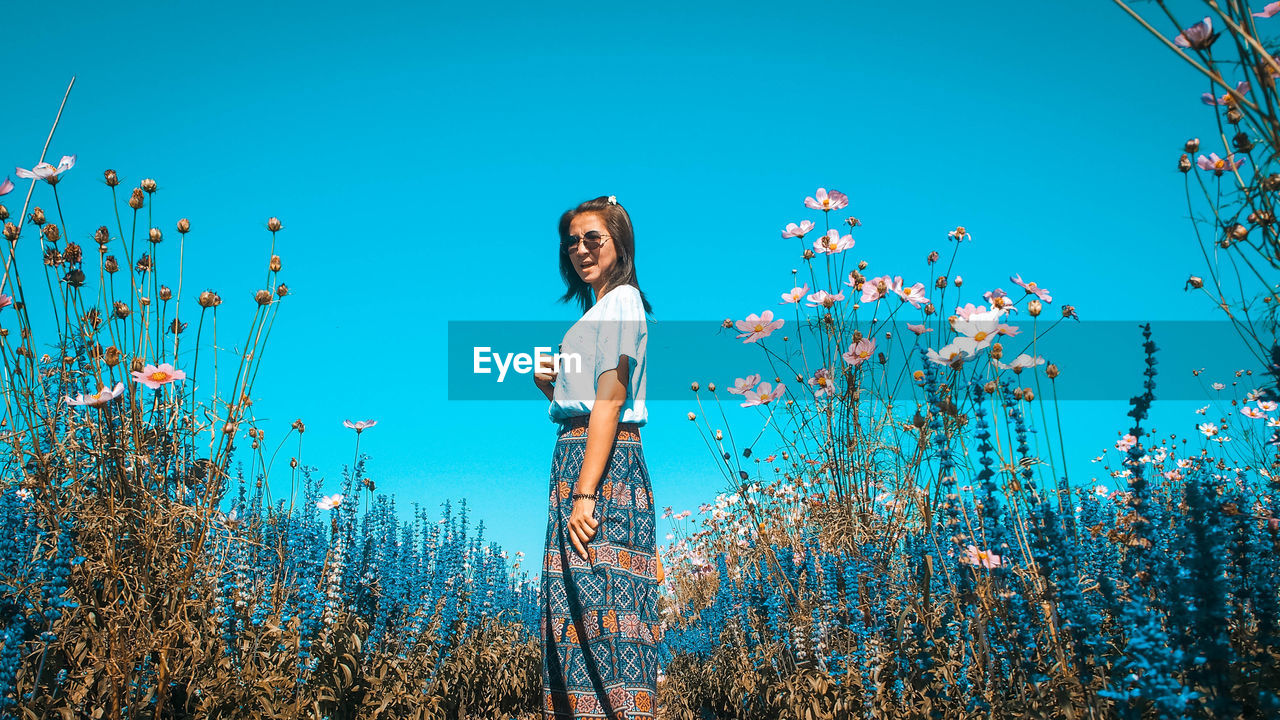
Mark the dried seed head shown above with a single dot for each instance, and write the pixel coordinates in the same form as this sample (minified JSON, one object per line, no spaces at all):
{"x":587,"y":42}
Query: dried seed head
{"x":1194,"y":281}
{"x":1241,"y":142}
{"x":52,"y":257}
{"x":1068,"y":311}
{"x":862,"y":264}
{"x":110,"y":178}
{"x":941,"y":282}
{"x":293,"y":462}
{"x":808,"y":254}
{"x":37,"y":216}
{"x":1192,"y":145}
{"x":692,"y":416}
{"x":229,"y":428}
{"x":1052,"y":371}
{"x":74,"y":277}
{"x":4,"y":213}
{"x":165,"y":293}
{"x":109,"y":264}
{"x":1034,"y":307}
{"x":297,"y":425}
{"x":1263,"y":217}
{"x":1225,"y":242}
{"x":155,"y":235}
{"x":72,"y":253}
{"x":137,"y":364}
{"x":184,"y":226}
{"x":176,"y":327}
{"x":933,"y":257}
{"x":694,"y":386}
{"x":711,"y":387}
{"x":144,"y":301}
{"x":275,"y":263}
{"x":929,"y":308}
{"x":1184,"y":163}
{"x":102,"y":235}
{"x":997,"y":351}
{"x":144,"y":263}
{"x":856,"y":337}
{"x":121,"y":310}
{"x":263,"y":297}
{"x":282,"y":290}
{"x":1234,"y":116}
{"x":51,"y":233}
{"x":149,"y":185}
{"x":209,"y":299}
{"x":136,"y":199}
{"x":274,"y":224}
{"x":1272,"y":182}
{"x":1028,"y":394}
{"x":10,"y":231}
{"x":1017,"y":393}
{"x":727,"y":323}
{"x":990,"y":387}
{"x":852,"y":222}
{"x":1239,"y":232}
{"x":92,"y":319}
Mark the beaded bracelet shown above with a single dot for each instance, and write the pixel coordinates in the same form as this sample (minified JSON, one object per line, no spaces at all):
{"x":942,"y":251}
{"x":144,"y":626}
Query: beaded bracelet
{"x":577,"y":495}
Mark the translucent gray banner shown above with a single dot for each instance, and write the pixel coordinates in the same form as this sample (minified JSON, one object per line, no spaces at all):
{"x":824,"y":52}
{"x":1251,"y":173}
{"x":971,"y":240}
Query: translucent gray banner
{"x":1097,"y":360}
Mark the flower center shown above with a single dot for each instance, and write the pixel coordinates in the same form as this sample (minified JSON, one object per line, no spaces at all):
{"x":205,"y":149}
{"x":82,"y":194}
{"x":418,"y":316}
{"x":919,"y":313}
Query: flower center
{"x":159,"y":376}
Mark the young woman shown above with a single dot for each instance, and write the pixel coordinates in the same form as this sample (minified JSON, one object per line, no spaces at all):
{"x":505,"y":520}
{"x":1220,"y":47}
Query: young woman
{"x":600,"y":621}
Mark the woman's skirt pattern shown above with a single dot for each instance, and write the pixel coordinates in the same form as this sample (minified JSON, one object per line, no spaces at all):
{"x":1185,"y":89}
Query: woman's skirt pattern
{"x":600,"y":623}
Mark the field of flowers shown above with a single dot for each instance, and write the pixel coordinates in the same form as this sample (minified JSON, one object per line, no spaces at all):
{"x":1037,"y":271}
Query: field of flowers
{"x":888,"y":544}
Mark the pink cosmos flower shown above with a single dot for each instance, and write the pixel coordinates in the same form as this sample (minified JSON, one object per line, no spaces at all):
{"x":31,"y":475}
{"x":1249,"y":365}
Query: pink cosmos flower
{"x":1197,"y":37}
{"x":1267,"y":405}
{"x":859,"y":352}
{"x":822,"y":200}
{"x":969,"y":308}
{"x":875,"y":288}
{"x":1209,"y":429}
{"x":1219,"y":165}
{"x":45,"y":171}
{"x":758,"y":326}
{"x":1208,"y":98}
{"x":796,"y":295}
{"x":914,"y":294}
{"x":980,"y":558}
{"x":6,"y":187}
{"x":1020,"y":363}
{"x":797,"y":231}
{"x":329,"y":502}
{"x":741,"y":385}
{"x":822,"y":381}
{"x":832,"y":243}
{"x":999,"y":300}
{"x":360,"y":425}
{"x":762,"y":395}
{"x":918,"y":329}
{"x":1126,"y":442}
{"x":824,"y":299}
{"x":960,"y":234}
{"x":98,"y":399}
{"x":981,"y":328}
{"x":5,"y":300}
{"x":154,"y":376}
{"x":1269,"y":10}
{"x":1252,"y":412}
{"x":958,"y":351}
{"x":1032,"y":288}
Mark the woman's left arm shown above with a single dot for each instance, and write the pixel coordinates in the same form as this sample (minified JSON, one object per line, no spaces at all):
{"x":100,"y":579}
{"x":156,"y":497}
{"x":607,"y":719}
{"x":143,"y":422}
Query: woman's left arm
{"x":602,"y":428}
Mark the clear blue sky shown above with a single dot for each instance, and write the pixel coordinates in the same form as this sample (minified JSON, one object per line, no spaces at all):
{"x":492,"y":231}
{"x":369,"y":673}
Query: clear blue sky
{"x":420,"y":154}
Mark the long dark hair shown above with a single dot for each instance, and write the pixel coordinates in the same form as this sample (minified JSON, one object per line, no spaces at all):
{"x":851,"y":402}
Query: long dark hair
{"x":623,"y":237}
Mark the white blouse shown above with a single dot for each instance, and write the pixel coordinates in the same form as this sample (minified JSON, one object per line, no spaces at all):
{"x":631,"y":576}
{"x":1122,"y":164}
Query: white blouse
{"x":614,"y":326}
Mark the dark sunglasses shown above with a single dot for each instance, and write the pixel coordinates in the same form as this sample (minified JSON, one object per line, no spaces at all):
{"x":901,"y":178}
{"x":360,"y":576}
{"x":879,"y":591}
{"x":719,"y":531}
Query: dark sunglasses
{"x":590,"y":240}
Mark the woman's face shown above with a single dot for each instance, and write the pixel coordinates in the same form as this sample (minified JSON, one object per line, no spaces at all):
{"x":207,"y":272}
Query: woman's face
{"x":592,"y":266}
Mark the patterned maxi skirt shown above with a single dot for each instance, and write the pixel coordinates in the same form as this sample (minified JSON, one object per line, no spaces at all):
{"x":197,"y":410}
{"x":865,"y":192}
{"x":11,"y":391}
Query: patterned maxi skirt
{"x":600,"y":621}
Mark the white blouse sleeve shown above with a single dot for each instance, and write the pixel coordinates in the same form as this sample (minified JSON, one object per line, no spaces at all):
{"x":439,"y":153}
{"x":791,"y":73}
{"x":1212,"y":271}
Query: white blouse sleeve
{"x":621,"y":330}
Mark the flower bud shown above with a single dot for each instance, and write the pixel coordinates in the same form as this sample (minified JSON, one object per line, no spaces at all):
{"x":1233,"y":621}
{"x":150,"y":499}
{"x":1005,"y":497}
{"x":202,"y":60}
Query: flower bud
{"x":1028,"y":394}
{"x":109,"y":264}
{"x":711,"y":387}
{"x":1241,"y":142}
{"x":727,"y":323}
{"x":990,"y":387}
{"x":297,"y":425}
{"x":1271,"y":182}
{"x":4,"y":213}
{"x":1194,"y":281}
{"x":149,"y":185}
{"x":929,"y":308}
{"x":209,"y":299}
{"x":692,"y":416}
{"x":37,"y":216}
{"x":72,"y":253}
{"x":958,"y":281}
{"x":852,"y":222}
{"x":694,"y":386}
{"x":997,"y":351}
{"x":1051,"y":371}
{"x":137,"y":364}
{"x":808,"y":254}
{"x":1192,"y":145}
{"x":144,"y":301}
{"x":1034,"y":307}
{"x":263,"y":297}
{"x":165,"y":293}
{"x":1017,"y":393}
{"x":136,"y":199}
{"x":862,"y":264}
{"x":229,"y":428}
{"x":1239,"y":232}
{"x":11,"y":231}
{"x":1234,"y":116}
{"x":1184,"y":163}
{"x":273,"y":224}
{"x":121,"y":310}
{"x":51,"y":233}
{"x":110,"y":178}
{"x":275,"y":263}
{"x":102,"y":235}
{"x":719,"y":435}
{"x":282,"y":290}
{"x":184,"y":226}
{"x":155,"y":235}
{"x":1069,"y":311}
{"x":933,"y":257}
{"x":941,"y":282}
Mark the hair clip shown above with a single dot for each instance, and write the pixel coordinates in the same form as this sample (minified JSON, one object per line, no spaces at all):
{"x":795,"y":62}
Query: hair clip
{"x":613,"y":199}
